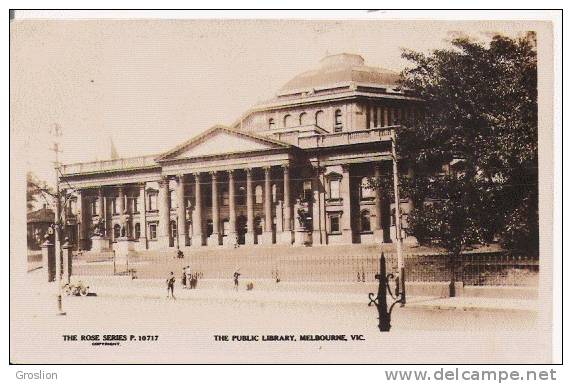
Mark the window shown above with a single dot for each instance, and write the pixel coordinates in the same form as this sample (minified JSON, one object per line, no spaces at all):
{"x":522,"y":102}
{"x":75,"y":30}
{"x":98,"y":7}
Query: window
{"x":114,"y":205}
{"x":366,"y":192}
{"x":209,"y":227}
{"x":135,"y":204}
{"x":258,"y":194}
{"x":307,"y":190}
{"x":153,"y":231}
{"x":116,"y":231}
{"x":171,"y":199}
{"x":338,"y":126}
{"x":137,"y":230}
{"x":94,"y":207}
{"x":319,"y":121}
{"x":274,"y":193}
{"x":225,"y":198}
{"x":335,"y":224}
{"x":287,"y":121}
{"x":241,"y":196}
{"x":271,"y":123}
{"x":225,"y":227}
{"x":173,"y":229}
{"x":303,"y":119}
{"x":334,"y":188}
{"x":152,"y":202}
{"x":365,"y":221}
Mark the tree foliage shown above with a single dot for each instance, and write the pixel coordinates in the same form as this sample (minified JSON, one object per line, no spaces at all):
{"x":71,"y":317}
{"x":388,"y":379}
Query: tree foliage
{"x":480,"y":121}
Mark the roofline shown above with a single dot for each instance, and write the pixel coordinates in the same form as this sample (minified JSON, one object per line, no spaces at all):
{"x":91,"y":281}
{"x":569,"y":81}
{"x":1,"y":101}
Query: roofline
{"x":321,"y":99}
{"x":214,"y":128}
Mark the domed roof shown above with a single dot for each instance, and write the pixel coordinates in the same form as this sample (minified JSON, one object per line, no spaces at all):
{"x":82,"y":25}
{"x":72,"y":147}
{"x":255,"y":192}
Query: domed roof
{"x":341,"y":68}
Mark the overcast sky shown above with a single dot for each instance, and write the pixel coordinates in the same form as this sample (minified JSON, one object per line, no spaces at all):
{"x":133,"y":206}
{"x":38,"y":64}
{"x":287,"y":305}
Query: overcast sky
{"x":149,"y":85}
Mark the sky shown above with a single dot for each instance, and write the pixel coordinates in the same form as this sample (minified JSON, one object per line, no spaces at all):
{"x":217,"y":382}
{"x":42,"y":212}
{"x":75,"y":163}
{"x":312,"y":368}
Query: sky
{"x":148,"y":85}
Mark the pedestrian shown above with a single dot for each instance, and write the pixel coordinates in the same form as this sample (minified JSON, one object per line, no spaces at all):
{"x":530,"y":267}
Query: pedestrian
{"x":184,"y":278}
{"x":171,"y":286}
{"x":235,"y":276}
{"x":189,"y":276}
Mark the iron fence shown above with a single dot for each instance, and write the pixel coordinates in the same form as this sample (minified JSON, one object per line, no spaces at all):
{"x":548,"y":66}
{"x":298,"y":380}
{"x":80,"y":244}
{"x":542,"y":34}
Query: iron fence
{"x":498,"y":268}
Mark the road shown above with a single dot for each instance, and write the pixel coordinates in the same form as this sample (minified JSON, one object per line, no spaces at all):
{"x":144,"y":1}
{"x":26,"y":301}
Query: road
{"x":186,"y":330}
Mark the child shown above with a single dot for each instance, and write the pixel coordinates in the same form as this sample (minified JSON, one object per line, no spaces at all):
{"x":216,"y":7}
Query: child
{"x":236,"y":274}
{"x":171,"y":286}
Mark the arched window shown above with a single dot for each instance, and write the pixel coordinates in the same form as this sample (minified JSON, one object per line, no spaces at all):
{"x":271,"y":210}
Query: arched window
{"x":137,"y":230}
{"x":319,"y":120}
{"x":241,"y":196}
{"x":258,"y":194}
{"x":366,"y":191}
{"x":287,"y":121}
{"x":303,"y":120}
{"x":116,"y":231}
{"x":365,"y":222}
{"x":274,"y":193}
{"x":338,"y":126}
{"x":271,"y":123}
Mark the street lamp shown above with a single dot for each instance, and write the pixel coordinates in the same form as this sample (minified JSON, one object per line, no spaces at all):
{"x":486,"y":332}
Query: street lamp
{"x":398,"y":238}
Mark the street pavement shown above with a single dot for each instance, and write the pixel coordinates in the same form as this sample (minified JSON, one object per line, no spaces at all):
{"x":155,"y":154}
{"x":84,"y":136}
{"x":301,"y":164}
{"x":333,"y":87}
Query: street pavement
{"x":429,"y":330}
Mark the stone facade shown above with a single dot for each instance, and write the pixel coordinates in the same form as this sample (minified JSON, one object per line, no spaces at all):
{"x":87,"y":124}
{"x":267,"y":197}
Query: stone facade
{"x":291,"y":171}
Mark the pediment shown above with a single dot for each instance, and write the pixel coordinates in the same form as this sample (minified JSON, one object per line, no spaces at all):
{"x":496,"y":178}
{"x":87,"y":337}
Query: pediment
{"x":221,"y":141}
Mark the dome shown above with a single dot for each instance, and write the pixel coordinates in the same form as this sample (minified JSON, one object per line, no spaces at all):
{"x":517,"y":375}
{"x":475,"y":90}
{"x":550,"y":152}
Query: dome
{"x":341,"y":68}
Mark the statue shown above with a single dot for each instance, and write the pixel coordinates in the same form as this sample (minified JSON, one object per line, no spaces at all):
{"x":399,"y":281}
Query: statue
{"x":99,"y":228}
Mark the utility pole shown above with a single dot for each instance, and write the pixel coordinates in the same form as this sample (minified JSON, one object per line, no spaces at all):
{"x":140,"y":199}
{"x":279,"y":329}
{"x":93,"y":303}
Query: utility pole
{"x":58,"y":233}
{"x":398,"y":238}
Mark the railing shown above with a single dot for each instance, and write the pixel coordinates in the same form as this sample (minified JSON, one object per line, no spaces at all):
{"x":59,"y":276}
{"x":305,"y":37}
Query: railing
{"x":480,"y":269}
{"x":344,"y":138}
{"x":110,"y":165}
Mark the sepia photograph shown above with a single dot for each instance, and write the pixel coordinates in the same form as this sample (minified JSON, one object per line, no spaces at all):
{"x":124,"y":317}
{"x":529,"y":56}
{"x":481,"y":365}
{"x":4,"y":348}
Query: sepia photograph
{"x":228,"y":189}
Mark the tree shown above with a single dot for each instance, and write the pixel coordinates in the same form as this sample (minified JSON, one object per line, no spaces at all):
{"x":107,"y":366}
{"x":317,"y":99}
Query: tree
{"x":36,"y":191}
{"x":473,"y":150}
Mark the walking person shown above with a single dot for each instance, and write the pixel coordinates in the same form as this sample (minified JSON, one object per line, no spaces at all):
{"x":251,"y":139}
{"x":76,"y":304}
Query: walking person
{"x":171,"y":286}
{"x":184,"y":278}
{"x":189,"y":276}
{"x":235,"y":276}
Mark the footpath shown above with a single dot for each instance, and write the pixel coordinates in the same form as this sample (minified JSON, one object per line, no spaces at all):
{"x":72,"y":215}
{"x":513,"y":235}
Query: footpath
{"x":268,"y":291}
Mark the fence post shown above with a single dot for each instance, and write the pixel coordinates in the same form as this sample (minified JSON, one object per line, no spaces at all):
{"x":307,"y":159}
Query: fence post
{"x":49,"y":260}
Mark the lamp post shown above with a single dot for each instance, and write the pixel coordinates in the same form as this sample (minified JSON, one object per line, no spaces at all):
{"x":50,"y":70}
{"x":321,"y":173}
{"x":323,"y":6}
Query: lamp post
{"x":58,"y":233}
{"x":398,"y":238}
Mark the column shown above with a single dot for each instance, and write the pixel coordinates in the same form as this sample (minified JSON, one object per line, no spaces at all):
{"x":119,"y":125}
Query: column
{"x":377,"y":222}
{"x":267,"y":234}
{"x":318,"y":232}
{"x":83,"y":220}
{"x":346,"y":221}
{"x":198,"y":238}
{"x":385,"y":117}
{"x":181,"y":212}
{"x":122,"y":218}
{"x":378,"y":120}
{"x":372,"y":117}
{"x":142,"y":216}
{"x":214,"y":239}
{"x":287,"y":208}
{"x":163,"y":235}
{"x":231,"y":238}
{"x":249,"y":236}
